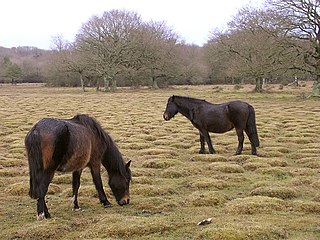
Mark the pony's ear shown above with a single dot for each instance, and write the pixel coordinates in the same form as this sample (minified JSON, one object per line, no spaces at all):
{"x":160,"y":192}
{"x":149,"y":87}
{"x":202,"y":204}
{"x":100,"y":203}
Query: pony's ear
{"x":128,"y":164}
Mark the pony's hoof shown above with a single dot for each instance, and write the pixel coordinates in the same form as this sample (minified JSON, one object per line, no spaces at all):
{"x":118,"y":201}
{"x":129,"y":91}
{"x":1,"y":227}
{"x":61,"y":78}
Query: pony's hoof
{"x":107,"y":205}
{"x":41,"y":216}
{"x":78,"y":209}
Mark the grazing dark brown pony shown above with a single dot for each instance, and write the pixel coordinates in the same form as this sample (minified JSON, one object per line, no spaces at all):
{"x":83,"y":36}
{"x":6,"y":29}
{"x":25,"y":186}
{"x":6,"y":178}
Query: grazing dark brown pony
{"x":70,"y":145}
{"x":216,"y":118}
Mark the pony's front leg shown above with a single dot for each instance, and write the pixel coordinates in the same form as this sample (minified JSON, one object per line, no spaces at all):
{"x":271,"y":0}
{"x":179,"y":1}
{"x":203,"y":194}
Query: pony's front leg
{"x":42,"y":210}
{"x":202,"y":147}
{"x":75,"y":189}
{"x":208,"y":140}
{"x":95,"y":172}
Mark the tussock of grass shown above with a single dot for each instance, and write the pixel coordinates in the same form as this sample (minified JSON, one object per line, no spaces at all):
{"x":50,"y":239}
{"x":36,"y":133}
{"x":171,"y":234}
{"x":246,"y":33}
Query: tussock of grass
{"x":279,"y":192}
{"x":159,"y":163}
{"x":158,"y":151}
{"x":302,"y":140}
{"x":62,"y":179}
{"x":156,"y":205}
{"x":17,"y":189}
{"x":143,"y":180}
{"x":252,"y":166}
{"x":277,"y":162}
{"x":150,"y":191}
{"x":262,"y":184}
{"x":12,"y":172}
{"x":208,"y":158}
{"x":135,"y":227}
{"x":277,"y":172}
{"x":139,"y":172}
{"x":279,"y":150}
{"x":316,"y":184}
{"x":54,"y":189}
{"x":9,"y":163}
{"x":309,"y":162}
{"x":171,"y":173}
{"x":240,"y":158}
{"x":269,"y":154}
{"x":181,"y":145}
{"x":303,"y":181}
{"x":295,"y":155}
{"x":212,"y":198}
{"x":301,"y":171}
{"x":146,"y":137}
{"x":135,"y":146}
{"x":247,"y":233}
{"x":226,"y":167}
{"x":209,"y":183}
{"x":314,"y":150}
{"x":305,"y":206}
{"x":255,"y":205}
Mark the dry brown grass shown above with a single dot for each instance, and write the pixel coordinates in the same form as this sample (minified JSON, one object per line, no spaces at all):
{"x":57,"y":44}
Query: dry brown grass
{"x":274,"y":195}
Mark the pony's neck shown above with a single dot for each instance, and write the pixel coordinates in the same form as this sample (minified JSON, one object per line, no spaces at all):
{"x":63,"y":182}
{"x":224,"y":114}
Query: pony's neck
{"x":186,"y":105}
{"x":112,"y":159}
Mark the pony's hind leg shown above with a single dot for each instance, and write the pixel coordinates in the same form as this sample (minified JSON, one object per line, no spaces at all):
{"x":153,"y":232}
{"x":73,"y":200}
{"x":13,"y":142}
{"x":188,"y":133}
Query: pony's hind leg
{"x":240,"y":140}
{"x":253,"y":146}
{"x":42,"y":210}
{"x":95,"y":172}
{"x":253,"y":149}
{"x":75,"y":188}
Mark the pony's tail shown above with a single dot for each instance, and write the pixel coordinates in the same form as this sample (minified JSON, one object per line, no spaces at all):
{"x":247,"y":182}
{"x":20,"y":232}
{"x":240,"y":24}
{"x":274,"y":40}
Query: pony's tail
{"x":33,"y":147}
{"x":252,"y":128}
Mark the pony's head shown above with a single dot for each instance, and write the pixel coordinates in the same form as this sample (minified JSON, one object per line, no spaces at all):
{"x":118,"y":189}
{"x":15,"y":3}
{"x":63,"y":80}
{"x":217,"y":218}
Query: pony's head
{"x":119,"y":184}
{"x":171,"y":109}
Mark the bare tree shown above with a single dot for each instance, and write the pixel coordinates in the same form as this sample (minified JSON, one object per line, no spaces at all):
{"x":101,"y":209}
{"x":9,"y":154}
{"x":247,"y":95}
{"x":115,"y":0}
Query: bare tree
{"x":192,"y":64}
{"x":158,"y":46}
{"x":253,"y":47}
{"x":301,"y":20}
{"x":68,"y":58}
{"x":108,"y":41}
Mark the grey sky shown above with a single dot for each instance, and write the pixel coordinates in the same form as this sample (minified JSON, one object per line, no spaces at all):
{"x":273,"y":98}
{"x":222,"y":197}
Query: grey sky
{"x":35,"y":22}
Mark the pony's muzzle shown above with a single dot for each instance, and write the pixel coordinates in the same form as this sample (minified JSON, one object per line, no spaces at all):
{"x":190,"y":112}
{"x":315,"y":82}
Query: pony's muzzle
{"x":124,"y":201}
{"x":165,"y":116}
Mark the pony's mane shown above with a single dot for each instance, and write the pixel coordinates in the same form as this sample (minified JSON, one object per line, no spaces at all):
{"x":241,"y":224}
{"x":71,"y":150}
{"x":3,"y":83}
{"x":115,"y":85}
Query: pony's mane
{"x":112,"y":155}
{"x":196,"y":100}
{"x":93,"y":124}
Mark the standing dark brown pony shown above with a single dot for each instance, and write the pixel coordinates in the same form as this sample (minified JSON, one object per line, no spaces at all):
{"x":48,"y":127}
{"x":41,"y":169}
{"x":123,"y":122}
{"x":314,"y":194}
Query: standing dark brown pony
{"x":216,"y":118}
{"x":70,"y":145}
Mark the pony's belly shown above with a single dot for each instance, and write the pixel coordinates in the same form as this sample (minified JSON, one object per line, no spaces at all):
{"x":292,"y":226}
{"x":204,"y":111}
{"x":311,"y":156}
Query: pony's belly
{"x":74,"y":164}
{"x":220,"y":129}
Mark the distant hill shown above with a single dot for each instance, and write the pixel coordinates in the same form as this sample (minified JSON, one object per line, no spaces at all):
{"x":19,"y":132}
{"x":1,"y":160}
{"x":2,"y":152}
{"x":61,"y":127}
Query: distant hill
{"x":32,"y":62}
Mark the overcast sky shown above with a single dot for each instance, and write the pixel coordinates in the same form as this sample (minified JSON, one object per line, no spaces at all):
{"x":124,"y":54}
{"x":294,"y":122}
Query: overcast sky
{"x":35,"y":22}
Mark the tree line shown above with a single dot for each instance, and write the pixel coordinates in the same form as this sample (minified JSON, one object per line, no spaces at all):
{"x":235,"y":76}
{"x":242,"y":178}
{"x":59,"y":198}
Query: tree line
{"x":278,"y":43}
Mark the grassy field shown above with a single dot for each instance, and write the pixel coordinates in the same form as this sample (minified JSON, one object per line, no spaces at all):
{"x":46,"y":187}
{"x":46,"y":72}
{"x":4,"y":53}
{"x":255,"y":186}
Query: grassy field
{"x":275,"y":195}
